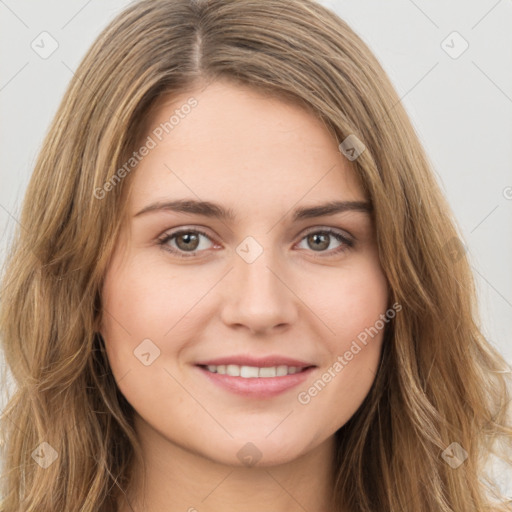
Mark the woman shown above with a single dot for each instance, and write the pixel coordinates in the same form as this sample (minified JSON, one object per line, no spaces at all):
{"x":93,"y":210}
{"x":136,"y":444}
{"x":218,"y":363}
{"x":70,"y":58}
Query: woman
{"x":239,"y":285}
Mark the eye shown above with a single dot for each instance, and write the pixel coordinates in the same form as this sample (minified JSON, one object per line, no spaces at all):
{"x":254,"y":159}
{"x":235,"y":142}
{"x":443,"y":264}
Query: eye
{"x":320,"y":240}
{"x":185,"y":241}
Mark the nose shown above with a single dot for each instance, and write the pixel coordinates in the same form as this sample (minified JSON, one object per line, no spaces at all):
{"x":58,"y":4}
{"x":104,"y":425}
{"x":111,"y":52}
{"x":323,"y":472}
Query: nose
{"x":258,"y":297}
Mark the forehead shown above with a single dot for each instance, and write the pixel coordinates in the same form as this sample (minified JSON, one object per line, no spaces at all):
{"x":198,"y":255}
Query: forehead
{"x":236,"y":143}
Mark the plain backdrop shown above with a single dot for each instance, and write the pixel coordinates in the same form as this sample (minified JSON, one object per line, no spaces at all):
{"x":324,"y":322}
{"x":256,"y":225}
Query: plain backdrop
{"x":450,"y":63}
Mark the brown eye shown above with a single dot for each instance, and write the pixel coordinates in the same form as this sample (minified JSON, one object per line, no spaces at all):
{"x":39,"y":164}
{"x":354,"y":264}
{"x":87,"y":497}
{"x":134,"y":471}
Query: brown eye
{"x":318,"y":241}
{"x":185,"y":242}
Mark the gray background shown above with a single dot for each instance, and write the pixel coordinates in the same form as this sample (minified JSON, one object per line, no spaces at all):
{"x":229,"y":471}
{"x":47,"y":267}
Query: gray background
{"x":460,"y":105}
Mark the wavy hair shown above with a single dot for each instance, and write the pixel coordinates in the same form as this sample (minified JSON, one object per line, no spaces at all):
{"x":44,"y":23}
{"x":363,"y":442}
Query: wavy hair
{"x":439,"y":381}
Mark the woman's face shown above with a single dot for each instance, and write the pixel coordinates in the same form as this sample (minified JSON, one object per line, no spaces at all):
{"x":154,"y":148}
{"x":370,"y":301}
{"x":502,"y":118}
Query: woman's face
{"x":278,"y":283}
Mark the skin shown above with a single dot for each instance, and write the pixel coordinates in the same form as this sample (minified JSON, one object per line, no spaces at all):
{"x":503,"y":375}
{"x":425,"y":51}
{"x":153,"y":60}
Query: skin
{"x":295,"y":300}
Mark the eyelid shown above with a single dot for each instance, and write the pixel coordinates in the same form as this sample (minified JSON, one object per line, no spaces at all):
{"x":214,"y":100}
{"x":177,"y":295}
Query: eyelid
{"x":202,"y":230}
{"x":342,"y":232}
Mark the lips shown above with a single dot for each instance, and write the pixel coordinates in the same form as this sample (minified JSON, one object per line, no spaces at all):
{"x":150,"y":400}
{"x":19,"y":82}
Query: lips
{"x":257,"y":387}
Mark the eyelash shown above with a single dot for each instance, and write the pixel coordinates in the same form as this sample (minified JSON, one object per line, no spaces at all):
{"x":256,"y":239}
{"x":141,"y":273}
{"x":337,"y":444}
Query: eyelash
{"x":162,"y":241}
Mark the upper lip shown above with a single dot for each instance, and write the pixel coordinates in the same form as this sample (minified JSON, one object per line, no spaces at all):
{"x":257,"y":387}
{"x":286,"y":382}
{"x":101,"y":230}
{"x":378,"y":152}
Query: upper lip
{"x":260,"y":362}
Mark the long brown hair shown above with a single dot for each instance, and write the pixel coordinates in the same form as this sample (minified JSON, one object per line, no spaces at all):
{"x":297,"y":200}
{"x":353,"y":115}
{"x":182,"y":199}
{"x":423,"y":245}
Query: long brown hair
{"x":439,"y":382}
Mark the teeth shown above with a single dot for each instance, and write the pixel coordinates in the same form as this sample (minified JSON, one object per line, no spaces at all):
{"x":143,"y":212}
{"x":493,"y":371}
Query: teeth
{"x":271,"y":371}
{"x":250,"y":372}
{"x":233,"y":370}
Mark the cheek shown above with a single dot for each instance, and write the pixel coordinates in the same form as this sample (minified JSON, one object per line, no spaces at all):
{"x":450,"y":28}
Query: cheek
{"x":351,"y":301}
{"x":145,"y":300}
{"x":351,"y":307}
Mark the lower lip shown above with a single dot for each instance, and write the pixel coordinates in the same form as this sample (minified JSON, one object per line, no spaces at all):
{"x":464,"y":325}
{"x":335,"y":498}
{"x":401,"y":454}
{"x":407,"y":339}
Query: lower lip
{"x":258,"y":387}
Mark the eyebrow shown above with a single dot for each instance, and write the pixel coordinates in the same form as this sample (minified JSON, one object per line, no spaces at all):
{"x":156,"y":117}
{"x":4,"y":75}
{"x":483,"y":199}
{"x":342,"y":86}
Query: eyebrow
{"x":210,"y":209}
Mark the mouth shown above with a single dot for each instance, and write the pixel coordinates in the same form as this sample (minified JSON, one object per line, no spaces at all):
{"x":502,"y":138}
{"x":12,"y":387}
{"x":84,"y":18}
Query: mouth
{"x":259,"y":382}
